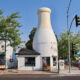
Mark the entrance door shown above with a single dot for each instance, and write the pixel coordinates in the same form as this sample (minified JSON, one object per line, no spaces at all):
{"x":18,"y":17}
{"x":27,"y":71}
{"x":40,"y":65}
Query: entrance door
{"x":54,"y":62}
{"x":46,"y":63}
{"x":2,"y":60}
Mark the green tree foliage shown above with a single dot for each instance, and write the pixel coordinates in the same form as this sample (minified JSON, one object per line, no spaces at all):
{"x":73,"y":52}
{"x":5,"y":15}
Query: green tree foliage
{"x":29,"y":43}
{"x":1,"y":12}
{"x":9,"y":28}
{"x":63,"y":44}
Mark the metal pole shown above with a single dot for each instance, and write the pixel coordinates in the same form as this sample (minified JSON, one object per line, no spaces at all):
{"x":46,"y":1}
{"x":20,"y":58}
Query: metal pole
{"x":68,"y":34}
{"x":58,"y":66}
{"x":69,"y":53}
{"x":5,"y":49}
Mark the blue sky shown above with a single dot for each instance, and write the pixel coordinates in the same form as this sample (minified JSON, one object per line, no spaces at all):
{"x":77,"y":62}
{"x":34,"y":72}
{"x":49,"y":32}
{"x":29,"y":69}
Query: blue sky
{"x":28,"y":11}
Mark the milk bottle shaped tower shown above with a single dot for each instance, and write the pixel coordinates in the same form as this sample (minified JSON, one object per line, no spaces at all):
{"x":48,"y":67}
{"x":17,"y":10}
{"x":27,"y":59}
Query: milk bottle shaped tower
{"x":45,"y":41}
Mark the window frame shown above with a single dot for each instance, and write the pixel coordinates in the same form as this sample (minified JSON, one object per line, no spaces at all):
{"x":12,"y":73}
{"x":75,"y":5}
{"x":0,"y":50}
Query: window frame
{"x":28,"y":63}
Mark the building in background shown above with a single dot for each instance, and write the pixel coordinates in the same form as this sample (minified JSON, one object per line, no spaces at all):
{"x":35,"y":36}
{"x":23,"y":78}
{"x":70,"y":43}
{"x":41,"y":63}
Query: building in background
{"x":9,"y":58}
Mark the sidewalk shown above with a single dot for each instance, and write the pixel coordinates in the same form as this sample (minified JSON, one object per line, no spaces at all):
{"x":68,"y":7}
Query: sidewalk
{"x":14,"y":71}
{"x":72,"y":72}
{"x":61,"y":72}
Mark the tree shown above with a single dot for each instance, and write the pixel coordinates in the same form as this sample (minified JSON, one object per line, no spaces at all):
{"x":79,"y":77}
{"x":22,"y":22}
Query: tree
{"x":9,"y":28}
{"x":63,"y":44}
{"x":29,"y":43}
{"x":1,"y":12}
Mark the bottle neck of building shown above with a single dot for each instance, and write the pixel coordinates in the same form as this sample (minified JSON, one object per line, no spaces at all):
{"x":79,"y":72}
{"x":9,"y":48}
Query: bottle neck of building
{"x":44,"y":20}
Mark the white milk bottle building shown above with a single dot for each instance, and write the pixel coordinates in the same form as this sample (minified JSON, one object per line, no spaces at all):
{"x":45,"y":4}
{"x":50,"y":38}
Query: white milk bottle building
{"x":45,"y":41}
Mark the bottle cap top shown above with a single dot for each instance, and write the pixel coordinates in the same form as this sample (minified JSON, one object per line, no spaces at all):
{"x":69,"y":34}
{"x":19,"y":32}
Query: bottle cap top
{"x":44,"y":9}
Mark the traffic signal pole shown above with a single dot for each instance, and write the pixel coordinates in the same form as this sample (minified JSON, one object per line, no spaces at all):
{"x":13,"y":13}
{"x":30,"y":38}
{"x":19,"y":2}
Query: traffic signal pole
{"x":68,"y":36}
{"x":77,"y":20}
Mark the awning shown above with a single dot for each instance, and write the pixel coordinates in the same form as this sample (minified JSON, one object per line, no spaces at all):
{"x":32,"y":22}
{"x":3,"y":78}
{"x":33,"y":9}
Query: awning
{"x":77,"y":54}
{"x":2,"y":53}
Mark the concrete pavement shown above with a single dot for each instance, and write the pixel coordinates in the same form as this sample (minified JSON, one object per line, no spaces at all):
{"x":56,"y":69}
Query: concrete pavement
{"x":72,"y":72}
{"x":14,"y":71}
{"x":61,"y":72}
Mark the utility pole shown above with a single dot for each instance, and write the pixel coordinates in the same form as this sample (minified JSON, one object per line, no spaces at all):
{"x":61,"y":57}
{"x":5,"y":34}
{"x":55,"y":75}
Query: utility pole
{"x":68,"y":35}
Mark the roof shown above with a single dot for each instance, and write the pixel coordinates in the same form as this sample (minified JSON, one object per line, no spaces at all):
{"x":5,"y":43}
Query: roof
{"x":27,"y":52}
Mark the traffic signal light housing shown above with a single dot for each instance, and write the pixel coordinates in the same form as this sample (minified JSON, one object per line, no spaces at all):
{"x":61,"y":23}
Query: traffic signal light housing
{"x":73,"y":49}
{"x":77,"y":20}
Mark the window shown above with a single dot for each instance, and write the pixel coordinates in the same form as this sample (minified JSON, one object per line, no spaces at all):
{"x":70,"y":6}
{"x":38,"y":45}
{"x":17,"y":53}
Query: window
{"x":54,"y":61}
{"x":2,"y":47}
{"x":54,"y":58}
{"x":29,"y":61}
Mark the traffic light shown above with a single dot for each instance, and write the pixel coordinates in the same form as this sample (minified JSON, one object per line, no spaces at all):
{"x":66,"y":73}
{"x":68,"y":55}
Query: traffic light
{"x":73,"y":49}
{"x":77,"y":20}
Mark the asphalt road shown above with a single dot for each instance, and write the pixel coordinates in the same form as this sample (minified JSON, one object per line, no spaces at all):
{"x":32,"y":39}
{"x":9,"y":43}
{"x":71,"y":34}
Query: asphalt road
{"x":38,"y":77}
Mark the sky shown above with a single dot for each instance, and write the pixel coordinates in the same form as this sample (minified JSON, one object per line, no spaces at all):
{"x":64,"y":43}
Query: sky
{"x":28,"y":11}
